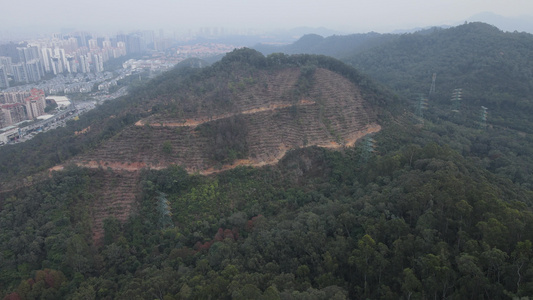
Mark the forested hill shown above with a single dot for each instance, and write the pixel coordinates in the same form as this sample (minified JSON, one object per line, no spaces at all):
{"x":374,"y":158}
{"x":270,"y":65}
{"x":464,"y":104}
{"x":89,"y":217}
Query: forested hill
{"x":244,"y":81}
{"x":247,"y":109}
{"x":494,"y":68}
{"x":434,"y":205}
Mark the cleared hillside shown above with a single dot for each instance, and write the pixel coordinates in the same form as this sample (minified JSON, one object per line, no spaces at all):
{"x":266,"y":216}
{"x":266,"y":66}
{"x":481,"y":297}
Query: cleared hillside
{"x":247,"y":110}
{"x":249,"y":117}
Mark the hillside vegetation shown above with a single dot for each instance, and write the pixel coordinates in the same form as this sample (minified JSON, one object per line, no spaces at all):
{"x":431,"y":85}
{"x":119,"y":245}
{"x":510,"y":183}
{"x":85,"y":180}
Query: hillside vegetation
{"x":437,"y":204}
{"x":256,"y":116}
{"x":493,"y":69}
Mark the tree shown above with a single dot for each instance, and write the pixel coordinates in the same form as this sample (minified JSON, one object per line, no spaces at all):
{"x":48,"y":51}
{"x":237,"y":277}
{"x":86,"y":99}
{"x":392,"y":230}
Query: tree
{"x":410,"y":284}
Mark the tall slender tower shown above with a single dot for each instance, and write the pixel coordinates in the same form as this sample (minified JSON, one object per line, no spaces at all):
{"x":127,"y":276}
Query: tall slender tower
{"x":368,"y":147}
{"x":421,"y":105}
{"x":457,"y":97}
{"x":432,"y":88}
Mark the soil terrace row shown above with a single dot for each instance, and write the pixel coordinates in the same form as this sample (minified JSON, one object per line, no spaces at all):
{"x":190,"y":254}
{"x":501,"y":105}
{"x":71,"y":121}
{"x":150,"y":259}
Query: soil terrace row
{"x":117,"y":199}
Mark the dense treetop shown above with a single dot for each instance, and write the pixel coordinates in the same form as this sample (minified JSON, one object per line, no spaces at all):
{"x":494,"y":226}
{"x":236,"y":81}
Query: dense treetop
{"x":437,"y":205}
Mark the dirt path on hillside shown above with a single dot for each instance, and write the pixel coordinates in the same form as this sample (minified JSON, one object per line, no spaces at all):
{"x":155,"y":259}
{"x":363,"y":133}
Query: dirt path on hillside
{"x":196,"y":122}
{"x":373,"y":128}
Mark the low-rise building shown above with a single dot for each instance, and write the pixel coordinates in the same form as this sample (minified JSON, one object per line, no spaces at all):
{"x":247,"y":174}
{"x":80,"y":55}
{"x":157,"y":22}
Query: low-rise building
{"x":9,"y":134}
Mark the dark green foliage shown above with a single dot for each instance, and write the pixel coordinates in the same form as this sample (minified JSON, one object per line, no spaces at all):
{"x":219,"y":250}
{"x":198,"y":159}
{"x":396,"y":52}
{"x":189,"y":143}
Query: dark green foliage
{"x":420,"y":221}
{"x":227,"y":138}
{"x":493,"y":68}
{"x":439,"y":210}
{"x":47,"y":226}
{"x":50,"y":107}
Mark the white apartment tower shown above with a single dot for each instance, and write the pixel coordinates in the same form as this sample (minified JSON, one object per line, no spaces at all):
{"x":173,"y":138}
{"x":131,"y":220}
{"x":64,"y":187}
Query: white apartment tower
{"x":98,"y":63}
{"x":7,"y":63}
{"x":4,"y":83}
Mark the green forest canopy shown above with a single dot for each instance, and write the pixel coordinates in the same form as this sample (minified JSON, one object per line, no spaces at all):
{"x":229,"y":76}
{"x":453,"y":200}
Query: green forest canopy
{"x":440,"y":209}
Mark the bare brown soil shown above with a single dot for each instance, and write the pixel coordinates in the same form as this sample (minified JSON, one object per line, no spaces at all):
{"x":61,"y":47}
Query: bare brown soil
{"x":196,"y":122}
{"x":83,"y":131}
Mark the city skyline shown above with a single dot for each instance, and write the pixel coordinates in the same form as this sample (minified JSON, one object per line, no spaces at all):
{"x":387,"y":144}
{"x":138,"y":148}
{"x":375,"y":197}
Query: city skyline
{"x":341,"y":15}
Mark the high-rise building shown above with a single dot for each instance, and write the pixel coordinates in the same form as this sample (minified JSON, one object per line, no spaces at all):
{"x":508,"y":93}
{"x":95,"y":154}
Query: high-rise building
{"x":7,"y":63}
{"x":98,"y":63}
{"x":55,"y":65}
{"x":100,"y":41}
{"x":12,"y":113}
{"x":133,"y":44}
{"x":14,"y":97}
{"x":82,"y":38}
{"x":60,"y":54}
{"x":19,"y":73}
{"x":93,"y":44}
{"x":4,"y":82}
{"x":84,"y":64}
{"x":121,"y":38}
{"x":33,"y":70}
{"x":73,"y":43}
{"x":46,"y":56}
{"x":30,"y":53}
{"x":72,"y":63}
{"x":147,"y":40}
{"x":19,"y":106}
{"x":35,"y":103}
{"x":122,"y":49}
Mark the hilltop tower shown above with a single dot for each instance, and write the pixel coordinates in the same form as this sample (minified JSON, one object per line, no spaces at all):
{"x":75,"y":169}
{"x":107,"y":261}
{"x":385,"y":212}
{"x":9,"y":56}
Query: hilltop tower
{"x":432,"y":88}
{"x":421,"y":105}
{"x":457,"y":97}
{"x":368,"y":147}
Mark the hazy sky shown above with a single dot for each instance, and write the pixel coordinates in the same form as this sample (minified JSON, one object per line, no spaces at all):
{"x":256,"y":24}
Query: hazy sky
{"x":343,"y":15}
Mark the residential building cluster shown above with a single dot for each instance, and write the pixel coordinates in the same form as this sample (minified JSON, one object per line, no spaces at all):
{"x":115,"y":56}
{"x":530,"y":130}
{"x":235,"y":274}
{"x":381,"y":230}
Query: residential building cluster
{"x":16,"y":107}
{"x":73,"y":53}
{"x":86,"y":53}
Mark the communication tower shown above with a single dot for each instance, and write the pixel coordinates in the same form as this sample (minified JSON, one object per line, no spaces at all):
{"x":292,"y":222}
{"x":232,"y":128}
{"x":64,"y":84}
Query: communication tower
{"x":368,"y":147}
{"x":421,"y":105}
{"x":432,"y":88}
{"x":457,"y":97}
{"x":163,"y":207}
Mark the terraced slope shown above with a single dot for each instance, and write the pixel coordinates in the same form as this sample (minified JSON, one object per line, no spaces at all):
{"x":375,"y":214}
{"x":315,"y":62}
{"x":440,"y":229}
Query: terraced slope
{"x":332,"y":113}
{"x":116,"y":200}
{"x":247,"y":110}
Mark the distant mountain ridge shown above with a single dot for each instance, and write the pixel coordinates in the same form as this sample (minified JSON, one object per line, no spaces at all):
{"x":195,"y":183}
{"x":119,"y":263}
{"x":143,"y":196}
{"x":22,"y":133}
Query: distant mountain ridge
{"x":523,"y":23}
{"x":336,"y":45}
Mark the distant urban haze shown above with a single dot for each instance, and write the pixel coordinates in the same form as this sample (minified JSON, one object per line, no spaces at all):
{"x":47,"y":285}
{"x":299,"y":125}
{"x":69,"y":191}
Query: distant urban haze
{"x":346,"y":16}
